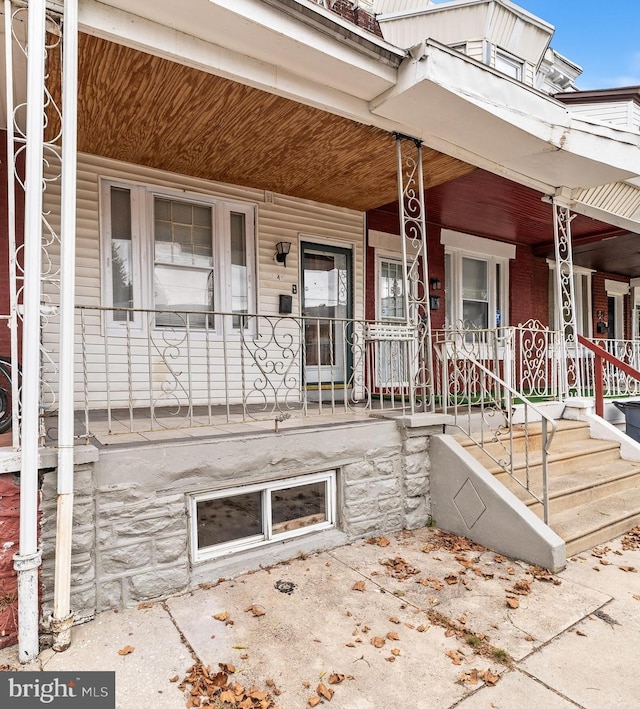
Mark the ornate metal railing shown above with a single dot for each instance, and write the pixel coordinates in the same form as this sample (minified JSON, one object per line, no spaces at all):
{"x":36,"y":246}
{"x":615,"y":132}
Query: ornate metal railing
{"x":151,"y":370}
{"x":482,"y":405}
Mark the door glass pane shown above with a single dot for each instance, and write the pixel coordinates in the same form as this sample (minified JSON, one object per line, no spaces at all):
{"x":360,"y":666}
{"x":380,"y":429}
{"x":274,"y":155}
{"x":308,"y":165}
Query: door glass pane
{"x":326,"y":298}
{"x":226,"y":519}
{"x":121,"y":253}
{"x":298,"y":507}
{"x":239,"y":275}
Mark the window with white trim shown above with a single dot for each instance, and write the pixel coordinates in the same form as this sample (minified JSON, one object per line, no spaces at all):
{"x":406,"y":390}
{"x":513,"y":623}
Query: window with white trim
{"x":476,"y":289}
{"x":245,"y":517}
{"x":509,"y":64}
{"x":582,"y":295}
{"x":176,"y":252}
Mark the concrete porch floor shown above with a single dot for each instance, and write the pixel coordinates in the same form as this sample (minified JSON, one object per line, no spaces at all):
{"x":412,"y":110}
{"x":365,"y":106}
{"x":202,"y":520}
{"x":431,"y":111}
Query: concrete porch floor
{"x":448,"y":614}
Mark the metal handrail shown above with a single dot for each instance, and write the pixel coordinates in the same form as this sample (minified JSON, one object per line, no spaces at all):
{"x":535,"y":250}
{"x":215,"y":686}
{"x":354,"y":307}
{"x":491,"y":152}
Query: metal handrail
{"x":548,"y":426}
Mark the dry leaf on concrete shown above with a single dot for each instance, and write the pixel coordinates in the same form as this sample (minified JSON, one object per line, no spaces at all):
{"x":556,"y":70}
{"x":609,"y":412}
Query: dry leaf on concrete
{"x":377,"y":642}
{"x":126,"y":650}
{"x":313,"y":701}
{"x":324,"y":691}
{"x":335,"y":678}
{"x":453,"y":655}
{"x":513,"y":602}
{"x":358,"y":586}
{"x":257,"y":611}
{"x":393,"y":636}
{"x":222,"y":616}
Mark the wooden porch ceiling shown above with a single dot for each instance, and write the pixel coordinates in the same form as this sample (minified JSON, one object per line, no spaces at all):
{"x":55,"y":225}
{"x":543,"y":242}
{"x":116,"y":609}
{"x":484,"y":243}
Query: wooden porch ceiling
{"x":147,"y":110}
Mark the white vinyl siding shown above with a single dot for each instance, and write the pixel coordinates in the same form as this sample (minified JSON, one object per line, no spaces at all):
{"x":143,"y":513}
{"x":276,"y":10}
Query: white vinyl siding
{"x":625,"y":114}
{"x":278,"y":218}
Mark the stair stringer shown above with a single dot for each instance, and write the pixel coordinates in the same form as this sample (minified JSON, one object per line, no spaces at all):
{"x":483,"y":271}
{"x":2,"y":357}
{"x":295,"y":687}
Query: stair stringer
{"x":467,"y":499}
{"x":603,"y":430}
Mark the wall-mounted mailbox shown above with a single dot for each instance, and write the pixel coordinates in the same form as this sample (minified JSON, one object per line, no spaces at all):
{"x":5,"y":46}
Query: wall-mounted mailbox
{"x":286,"y":302}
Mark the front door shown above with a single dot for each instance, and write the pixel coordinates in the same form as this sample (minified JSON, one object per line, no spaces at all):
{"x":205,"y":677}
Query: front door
{"x":327,"y":307}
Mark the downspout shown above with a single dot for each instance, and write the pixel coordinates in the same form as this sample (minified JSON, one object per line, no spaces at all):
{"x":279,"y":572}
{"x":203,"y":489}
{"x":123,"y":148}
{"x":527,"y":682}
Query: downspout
{"x":28,"y":560}
{"x":62,"y":618}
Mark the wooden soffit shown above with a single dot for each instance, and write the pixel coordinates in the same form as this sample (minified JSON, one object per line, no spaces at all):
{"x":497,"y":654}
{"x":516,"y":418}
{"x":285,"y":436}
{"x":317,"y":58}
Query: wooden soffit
{"x":146,"y":110}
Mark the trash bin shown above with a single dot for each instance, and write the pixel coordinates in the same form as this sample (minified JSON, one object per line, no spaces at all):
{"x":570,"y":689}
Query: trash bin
{"x":631,"y":411}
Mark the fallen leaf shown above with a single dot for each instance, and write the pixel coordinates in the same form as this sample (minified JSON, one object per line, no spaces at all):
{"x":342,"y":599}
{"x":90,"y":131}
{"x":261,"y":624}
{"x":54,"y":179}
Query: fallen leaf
{"x":581,"y":634}
{"x":228,"y":668}
{"x":636,"y":596}
{"x":449,"y":633}
{"x":391,"y":658}
{"x":451,"y":580}
{"x":244,"y":656}
{"x":455,"y":658}
{"x":222,"y":616}
{"x":631,"y":569}
{"x":470,"y":677}
{"x":394,"y":620}
{"x":350,"y":644}
{"x":175,"y":679}
{"x":529,"y":638}
{"x":393,"y":636}
{"x":395,"y":651}
{"x":604,"y":562}
{"x":513,"y":602}
{"x":358,"y":586}
{"x":126,"y":650}
{"x":141,"y":606}
{"x":306,"y":684}
{"x":324,"y":692}
{"x":313,"y":701}
{"x":257,"y":611}
{"x":488,"y":677}
{"x":377,"y":642}
{"x":335,"y":678}
{"x":421,"y":628}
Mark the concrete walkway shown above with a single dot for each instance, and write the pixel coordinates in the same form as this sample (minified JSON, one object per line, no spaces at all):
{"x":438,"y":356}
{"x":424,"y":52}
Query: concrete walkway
{"x":420,"y":620}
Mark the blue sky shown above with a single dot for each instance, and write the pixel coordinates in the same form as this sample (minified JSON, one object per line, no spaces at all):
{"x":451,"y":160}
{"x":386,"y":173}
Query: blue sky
{"x":603,"y":37}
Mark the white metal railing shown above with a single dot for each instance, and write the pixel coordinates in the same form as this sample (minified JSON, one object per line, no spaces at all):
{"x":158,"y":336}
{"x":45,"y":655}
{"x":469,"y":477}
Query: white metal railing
{"x":150,"y":370}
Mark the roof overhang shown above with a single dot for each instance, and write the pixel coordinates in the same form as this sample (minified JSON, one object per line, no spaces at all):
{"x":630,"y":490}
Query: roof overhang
{"x":522,"y":131}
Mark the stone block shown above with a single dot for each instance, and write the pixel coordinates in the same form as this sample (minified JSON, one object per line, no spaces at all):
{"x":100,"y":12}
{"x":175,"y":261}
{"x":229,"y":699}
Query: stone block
{"x":83,"y":513}
{"x":361,"y":506}
{"x":83,"y":541}
{"x":123,"y":560}
{"x":158,"y":583}
{"x":361,"y":470}
{"x":390,"y":504}
{"x":109,"y":595}
{"x":83,"y":600}
{"x":386,"y":467}
{"x":417,"y":463}
{"x":171,"y":548}
{"x":149,"y":526}
{"x":417,"y":485}
{"x":121,"y":494}
{"x":83,"y":481}
{"x":416,"y":444}
{"x":419,"y":516}
{"x":364,"y":527}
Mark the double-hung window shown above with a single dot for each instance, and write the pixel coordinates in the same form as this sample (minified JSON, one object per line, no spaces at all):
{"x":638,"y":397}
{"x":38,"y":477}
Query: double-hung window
{"x":476,"y":281}
{"x":183,"y":256}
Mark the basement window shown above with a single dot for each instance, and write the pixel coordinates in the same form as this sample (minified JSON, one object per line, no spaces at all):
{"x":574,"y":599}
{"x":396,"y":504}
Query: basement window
{"x":241,"y":518}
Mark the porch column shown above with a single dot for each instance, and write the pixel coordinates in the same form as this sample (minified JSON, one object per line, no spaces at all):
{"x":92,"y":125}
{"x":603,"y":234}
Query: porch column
{"x":62,"y":618}
{"x":413,"y":236}
{"x":28,"y":560}
{"x":569,"y":361}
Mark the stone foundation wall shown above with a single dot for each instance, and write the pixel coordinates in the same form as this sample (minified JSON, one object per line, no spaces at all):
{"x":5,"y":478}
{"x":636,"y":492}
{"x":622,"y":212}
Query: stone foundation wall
{"x":131,"y":526}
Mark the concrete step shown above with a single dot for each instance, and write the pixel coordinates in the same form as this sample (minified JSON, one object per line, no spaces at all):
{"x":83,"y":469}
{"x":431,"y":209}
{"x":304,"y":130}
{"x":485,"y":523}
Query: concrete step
{"x":598,"y":521}
{"x":520,"y":438}
{"x":594,"y":495}
{"x":572,"y":490}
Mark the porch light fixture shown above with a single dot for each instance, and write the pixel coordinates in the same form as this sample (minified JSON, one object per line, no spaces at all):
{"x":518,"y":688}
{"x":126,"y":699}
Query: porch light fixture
{"x":435,"y":284}
{"x":434,"y":302}
{"x":282,"y":251}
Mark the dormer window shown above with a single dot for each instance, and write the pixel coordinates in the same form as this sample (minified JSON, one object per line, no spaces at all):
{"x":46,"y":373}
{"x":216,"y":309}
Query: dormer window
{"x":508,"y":64}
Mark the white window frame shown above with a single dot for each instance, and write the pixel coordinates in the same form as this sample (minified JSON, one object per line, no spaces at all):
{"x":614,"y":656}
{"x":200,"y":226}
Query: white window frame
{"x":142,"y":245}
{"x":267,"y":536}
{"x":504,"y":60}
{"x":581,"y":276}
{"x":389,"y":258}
{"x":459,"y":246}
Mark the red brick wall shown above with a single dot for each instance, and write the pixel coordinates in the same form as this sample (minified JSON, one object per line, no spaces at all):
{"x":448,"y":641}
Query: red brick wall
{"x":599,"y":300}
{"x":528,"y":287}
{"x":9,"y":541}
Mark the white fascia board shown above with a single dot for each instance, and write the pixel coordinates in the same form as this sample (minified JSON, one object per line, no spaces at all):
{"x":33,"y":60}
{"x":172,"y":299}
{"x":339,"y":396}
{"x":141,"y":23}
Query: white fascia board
{"x":587,"y":210}
{"x":516,"y":127}
{"x":255,"y":30}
